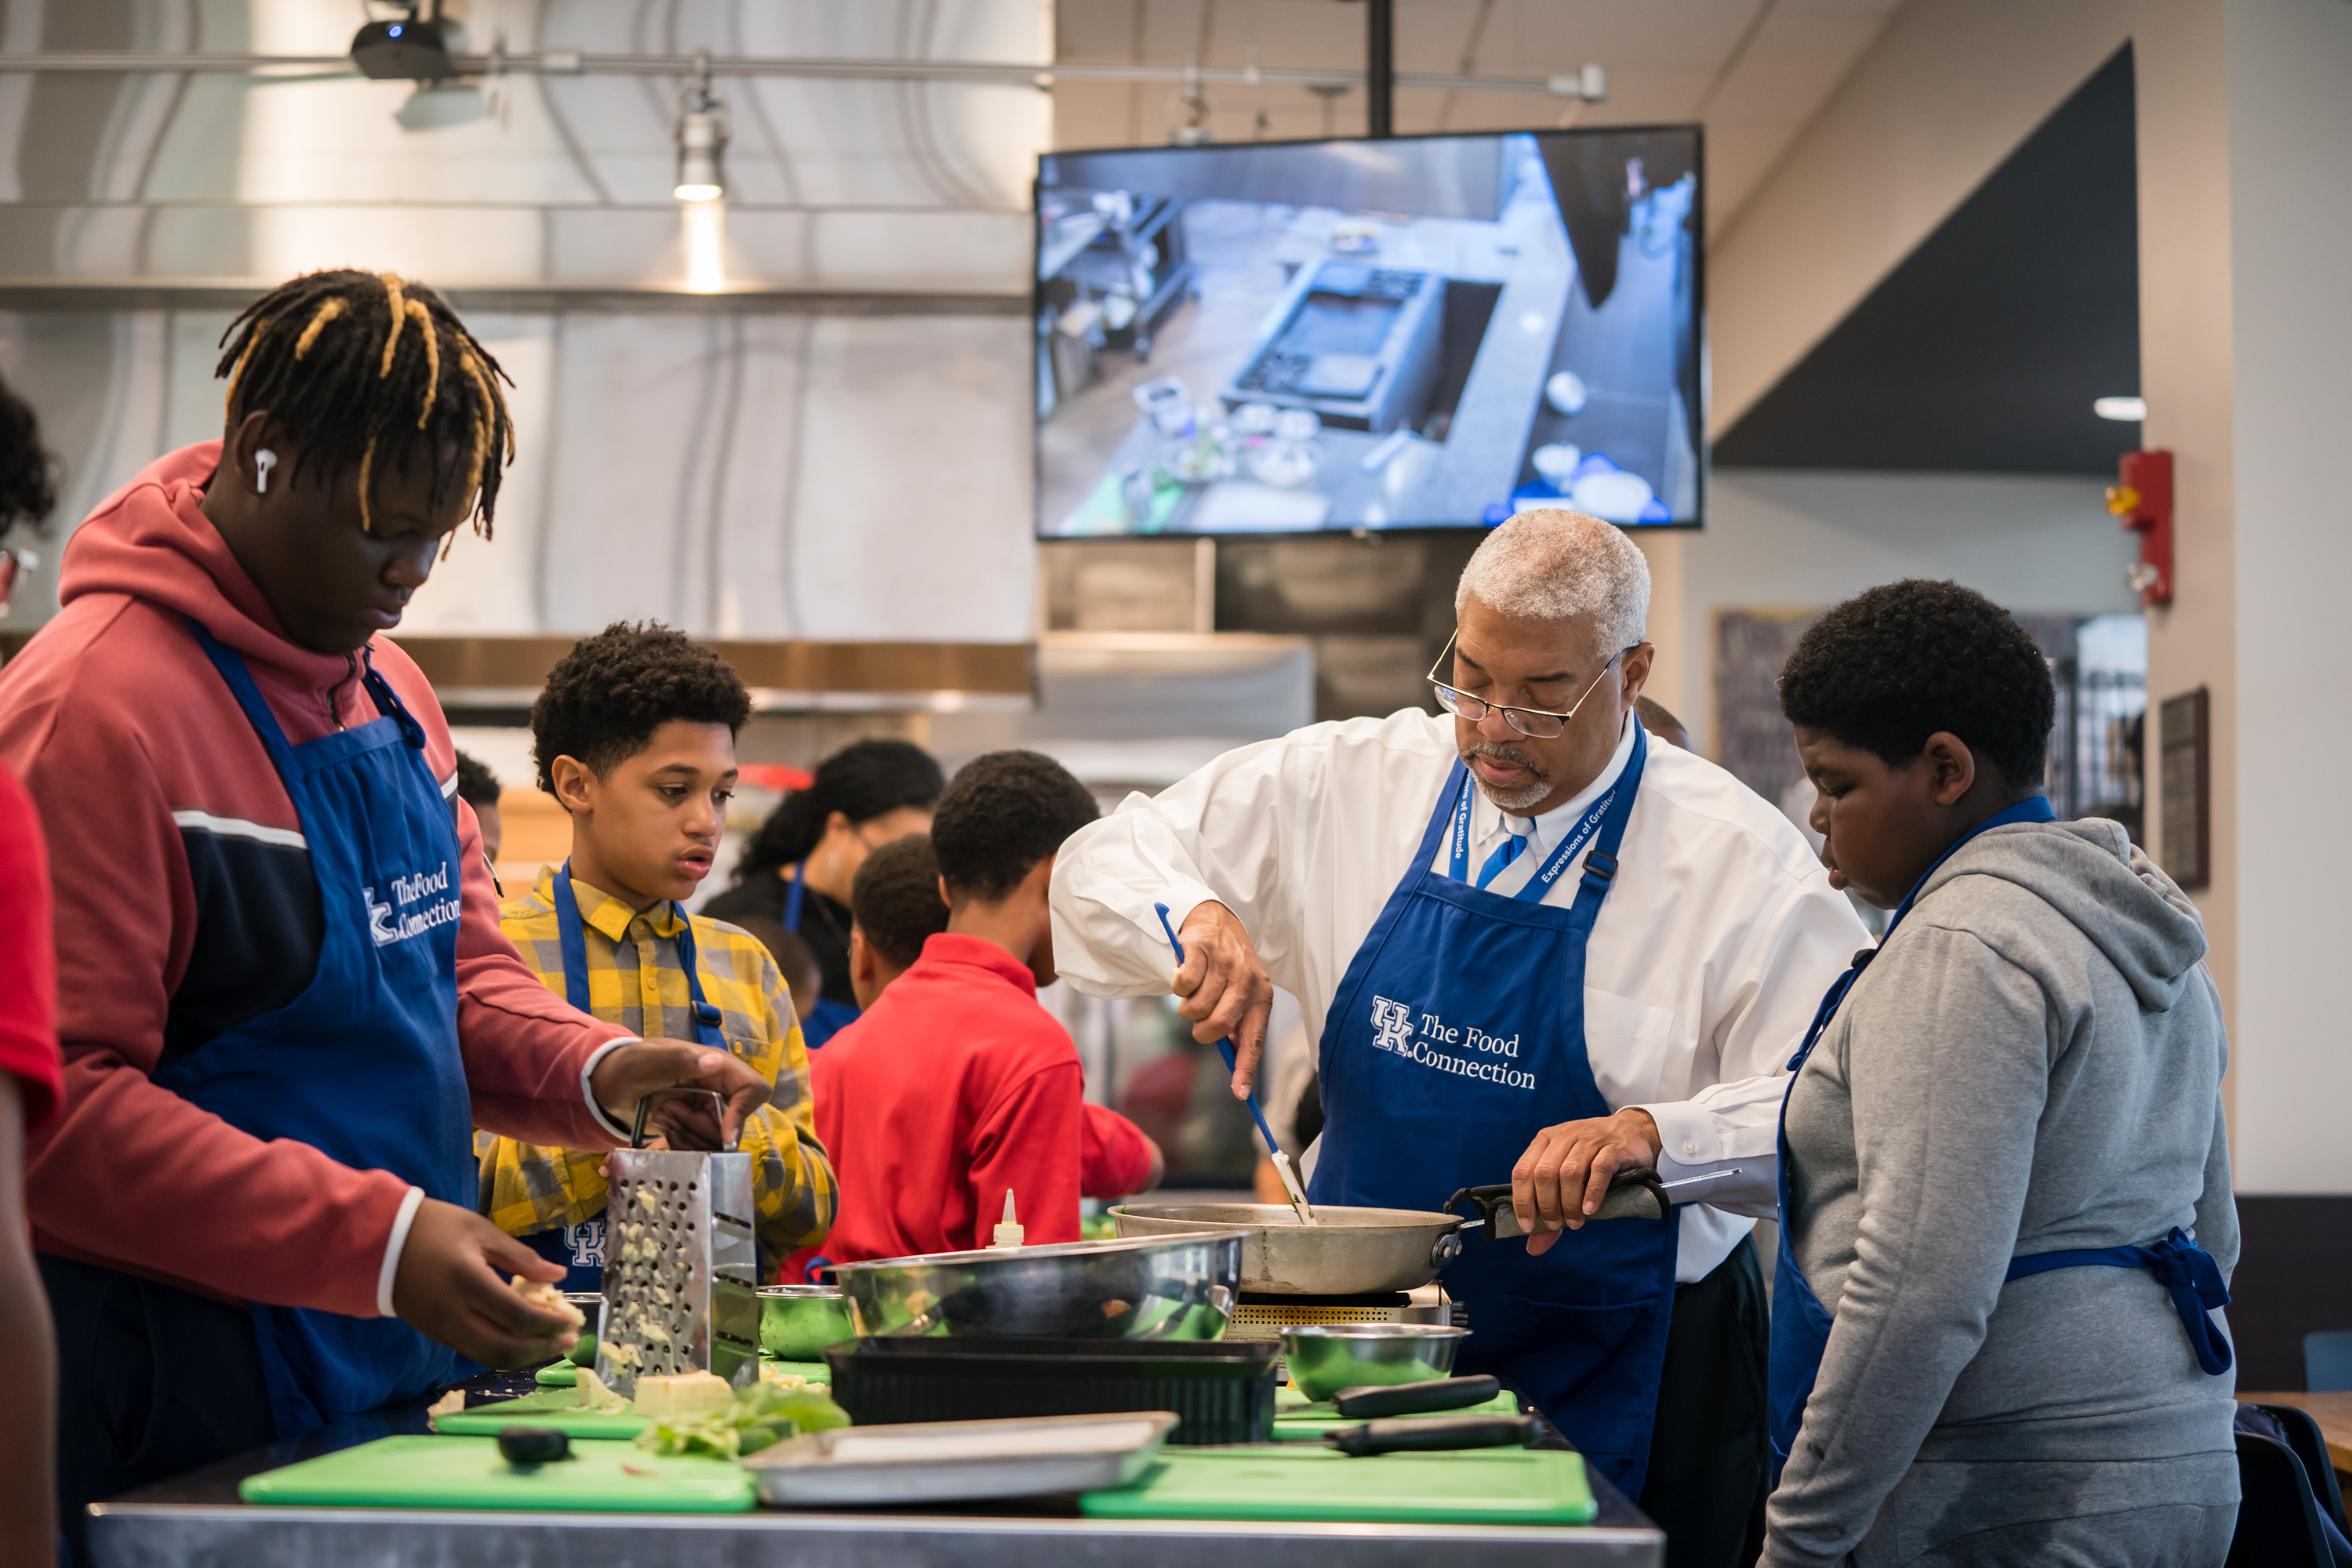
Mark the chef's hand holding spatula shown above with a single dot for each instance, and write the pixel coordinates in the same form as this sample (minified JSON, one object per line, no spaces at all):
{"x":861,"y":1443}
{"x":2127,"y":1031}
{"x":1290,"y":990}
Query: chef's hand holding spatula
{"x":1253,"y":1017}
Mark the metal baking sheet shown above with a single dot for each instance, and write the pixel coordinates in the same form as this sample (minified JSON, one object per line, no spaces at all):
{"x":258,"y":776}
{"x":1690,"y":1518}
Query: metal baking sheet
{"x":955,"y":1461}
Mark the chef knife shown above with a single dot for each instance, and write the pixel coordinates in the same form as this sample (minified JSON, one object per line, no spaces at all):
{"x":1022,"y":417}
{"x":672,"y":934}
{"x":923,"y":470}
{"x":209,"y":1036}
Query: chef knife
{"x":1633,"y":1194}
{"x":1433,"y":1434}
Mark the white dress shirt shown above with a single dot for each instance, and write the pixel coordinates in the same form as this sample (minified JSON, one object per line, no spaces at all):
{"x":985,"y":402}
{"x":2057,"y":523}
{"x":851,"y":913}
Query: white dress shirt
{"x":1710,"y":954}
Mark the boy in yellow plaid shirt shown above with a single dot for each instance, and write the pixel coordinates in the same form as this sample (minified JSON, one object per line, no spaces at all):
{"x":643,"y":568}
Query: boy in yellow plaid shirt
{"x":635,"y":735}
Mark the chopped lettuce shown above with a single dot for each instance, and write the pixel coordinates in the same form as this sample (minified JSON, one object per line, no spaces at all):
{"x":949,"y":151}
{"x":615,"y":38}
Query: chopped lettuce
{"x":763,"y":1416}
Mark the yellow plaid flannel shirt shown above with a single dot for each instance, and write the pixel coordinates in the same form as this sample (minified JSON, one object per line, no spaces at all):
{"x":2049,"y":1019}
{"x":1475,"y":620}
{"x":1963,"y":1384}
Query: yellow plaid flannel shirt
{"x":527,"y":1188}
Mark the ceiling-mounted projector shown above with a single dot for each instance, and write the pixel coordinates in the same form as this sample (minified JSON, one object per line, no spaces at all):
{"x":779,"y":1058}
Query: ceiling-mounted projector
{"x":411,"y":50}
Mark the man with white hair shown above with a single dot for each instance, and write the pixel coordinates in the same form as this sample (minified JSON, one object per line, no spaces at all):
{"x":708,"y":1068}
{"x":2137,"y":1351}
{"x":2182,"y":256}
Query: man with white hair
{"x":1599,"y":958}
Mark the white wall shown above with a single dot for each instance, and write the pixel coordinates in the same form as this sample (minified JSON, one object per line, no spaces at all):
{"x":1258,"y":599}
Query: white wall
{"x":1797,"y":539}
{"x":2290,"y":149}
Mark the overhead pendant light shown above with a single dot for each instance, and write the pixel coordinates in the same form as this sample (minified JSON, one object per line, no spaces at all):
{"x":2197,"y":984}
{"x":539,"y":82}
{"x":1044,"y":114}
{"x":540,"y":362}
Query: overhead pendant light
{"x":701,"y":137}
{"x":2129,"y":410}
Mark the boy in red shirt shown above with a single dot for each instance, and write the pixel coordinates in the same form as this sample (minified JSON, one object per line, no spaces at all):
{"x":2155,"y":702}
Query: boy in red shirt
{"x":955,"y":1087}
{"x":30,"y":1067}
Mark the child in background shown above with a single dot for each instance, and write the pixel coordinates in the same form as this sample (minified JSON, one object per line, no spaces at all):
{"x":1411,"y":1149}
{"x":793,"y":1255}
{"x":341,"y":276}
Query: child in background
{"x":797,"y":961}
{"x":479,"y":788}
{"x":635,"y":735}
{"x":954,"y":1087}
{"x":896,"y":908}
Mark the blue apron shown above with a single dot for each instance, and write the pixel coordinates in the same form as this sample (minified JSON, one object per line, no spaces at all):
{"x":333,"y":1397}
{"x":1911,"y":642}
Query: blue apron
{"x":828,"y":1017}
{"x":1800,"y":1324}
{"x":580,"y":1249}
{"x":1457,"y":1035}
{"x":363,"y":1065}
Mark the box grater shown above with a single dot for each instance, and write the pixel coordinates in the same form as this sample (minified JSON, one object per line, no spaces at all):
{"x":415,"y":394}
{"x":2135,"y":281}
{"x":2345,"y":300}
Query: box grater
{"x":681,"y":1270}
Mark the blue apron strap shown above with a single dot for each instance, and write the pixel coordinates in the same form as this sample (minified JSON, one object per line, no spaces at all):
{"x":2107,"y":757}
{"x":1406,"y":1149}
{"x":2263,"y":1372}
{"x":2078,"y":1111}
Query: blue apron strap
{"x":1605,"y":825}
{"x":572,"y":940}
{"x":249,"y":695}
{"x":388,"y":702}
{"x":706,"y":1016}
{"x":793,"y":891}
{"x":2184,"y":1269}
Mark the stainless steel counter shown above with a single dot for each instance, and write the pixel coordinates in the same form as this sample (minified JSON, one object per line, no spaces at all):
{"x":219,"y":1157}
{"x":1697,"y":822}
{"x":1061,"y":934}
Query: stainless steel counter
{"x":196,"y":1522}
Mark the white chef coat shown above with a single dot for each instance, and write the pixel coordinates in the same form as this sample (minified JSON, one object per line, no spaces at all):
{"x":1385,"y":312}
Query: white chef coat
{"x":1710,"y":954}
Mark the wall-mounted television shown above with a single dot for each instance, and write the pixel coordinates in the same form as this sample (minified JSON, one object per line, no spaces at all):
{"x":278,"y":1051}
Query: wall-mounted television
{"x":1427,"y":331}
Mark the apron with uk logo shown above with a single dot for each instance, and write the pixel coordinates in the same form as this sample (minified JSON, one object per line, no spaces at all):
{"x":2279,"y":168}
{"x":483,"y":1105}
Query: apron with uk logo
{"x":364,"y":1064}
{"x":1457,"y":1035}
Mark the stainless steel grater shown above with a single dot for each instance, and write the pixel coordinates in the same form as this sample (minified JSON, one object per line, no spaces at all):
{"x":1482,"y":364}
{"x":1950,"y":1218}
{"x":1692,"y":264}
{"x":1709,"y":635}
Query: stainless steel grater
{"x":681,"y":1270}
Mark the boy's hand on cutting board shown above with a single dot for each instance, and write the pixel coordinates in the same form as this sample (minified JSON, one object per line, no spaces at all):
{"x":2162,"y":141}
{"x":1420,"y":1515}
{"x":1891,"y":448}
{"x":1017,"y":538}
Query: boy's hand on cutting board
{"x":628,"y":1073}
{"x":452,"y":1288}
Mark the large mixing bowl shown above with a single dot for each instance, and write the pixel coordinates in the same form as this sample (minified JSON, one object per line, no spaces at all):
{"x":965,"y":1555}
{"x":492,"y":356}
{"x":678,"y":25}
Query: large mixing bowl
{"x":1349,"y":1252}
{"x":1161,"y":1287}
{"x":800,"y":1322}
{"x":1325,"y":1358}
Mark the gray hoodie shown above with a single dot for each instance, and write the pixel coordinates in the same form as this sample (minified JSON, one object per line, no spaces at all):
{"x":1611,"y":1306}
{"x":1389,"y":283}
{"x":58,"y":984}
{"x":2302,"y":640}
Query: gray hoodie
{"x":2033,"y":1063}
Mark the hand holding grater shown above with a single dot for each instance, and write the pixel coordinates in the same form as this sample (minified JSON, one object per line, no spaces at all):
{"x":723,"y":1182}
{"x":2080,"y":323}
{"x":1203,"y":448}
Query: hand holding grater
{"x":681,"y":1270}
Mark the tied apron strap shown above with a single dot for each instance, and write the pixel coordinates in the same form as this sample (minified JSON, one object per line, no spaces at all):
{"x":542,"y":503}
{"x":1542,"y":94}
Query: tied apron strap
{"x":571,"y":938}
{"x":2179,"y":1265}
{"x":388,"y":702}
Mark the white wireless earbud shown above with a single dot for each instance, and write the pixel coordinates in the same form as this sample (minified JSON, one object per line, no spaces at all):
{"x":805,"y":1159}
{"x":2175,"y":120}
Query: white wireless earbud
{"x":263,"y":461}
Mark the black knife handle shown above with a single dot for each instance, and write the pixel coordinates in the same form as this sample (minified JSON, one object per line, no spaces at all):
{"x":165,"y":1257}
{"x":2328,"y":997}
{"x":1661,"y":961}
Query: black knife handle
{"x":1432,"y":1435}
{"x":1415,"y":1398}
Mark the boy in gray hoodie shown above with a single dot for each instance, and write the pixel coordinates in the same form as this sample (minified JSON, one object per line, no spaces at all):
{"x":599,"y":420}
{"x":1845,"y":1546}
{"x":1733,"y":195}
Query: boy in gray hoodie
{"x":2003,"y":1172}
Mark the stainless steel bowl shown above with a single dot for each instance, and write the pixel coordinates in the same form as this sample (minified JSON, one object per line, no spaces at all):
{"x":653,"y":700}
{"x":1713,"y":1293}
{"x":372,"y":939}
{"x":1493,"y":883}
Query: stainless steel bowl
{"x":1325,"y":1358}
{"x":1349,"y":1252}
{"x":800,"y":1322}
{"x":1168,"y":1287}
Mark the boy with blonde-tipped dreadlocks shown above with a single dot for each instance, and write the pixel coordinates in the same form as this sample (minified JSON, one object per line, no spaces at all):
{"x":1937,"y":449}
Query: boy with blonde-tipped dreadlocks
{"x":285,"y":1000}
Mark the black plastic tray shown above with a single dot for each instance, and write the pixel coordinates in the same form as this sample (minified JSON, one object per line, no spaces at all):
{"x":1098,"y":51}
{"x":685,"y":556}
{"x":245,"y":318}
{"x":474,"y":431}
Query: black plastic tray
{"x":1222,"y":1391}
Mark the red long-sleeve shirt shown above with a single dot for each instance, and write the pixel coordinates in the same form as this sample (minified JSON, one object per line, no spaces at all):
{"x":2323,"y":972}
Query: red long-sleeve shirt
{"x":28,"y":969}
{"x":952,"y":1087}
{"x":186,"y":905}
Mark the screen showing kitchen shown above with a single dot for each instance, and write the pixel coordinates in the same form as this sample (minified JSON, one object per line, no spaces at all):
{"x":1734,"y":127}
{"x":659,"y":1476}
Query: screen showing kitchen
{"x":1422,"y":333}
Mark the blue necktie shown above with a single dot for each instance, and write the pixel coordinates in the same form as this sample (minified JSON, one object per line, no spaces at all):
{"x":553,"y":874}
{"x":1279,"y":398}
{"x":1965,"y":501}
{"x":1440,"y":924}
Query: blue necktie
{"x":1504,"y":853}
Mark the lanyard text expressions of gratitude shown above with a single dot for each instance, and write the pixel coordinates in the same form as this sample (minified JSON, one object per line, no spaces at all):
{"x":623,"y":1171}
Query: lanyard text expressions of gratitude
{"x":1465,"y":1051}
{"x":388,"y":924}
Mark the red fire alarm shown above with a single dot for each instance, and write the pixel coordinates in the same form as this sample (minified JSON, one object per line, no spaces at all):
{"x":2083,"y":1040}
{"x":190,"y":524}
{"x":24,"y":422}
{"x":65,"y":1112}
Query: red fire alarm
{"x":2142,"y":501}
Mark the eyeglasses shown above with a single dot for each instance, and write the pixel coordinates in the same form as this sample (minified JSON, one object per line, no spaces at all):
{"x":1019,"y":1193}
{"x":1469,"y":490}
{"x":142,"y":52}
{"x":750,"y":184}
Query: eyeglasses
{"x":1533,"y":723}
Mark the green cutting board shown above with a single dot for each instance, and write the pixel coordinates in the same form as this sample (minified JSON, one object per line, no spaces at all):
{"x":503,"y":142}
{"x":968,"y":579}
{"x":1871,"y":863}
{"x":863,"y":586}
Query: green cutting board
{"x":466,"y":1472}
{"x":1486,"y":1486}
{"x":559,"y":1408}
{"x":1298,"y":1421}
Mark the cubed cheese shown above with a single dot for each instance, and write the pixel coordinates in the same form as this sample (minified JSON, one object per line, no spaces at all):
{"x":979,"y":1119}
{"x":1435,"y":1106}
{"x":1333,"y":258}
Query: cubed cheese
{"x":689,"y":1394}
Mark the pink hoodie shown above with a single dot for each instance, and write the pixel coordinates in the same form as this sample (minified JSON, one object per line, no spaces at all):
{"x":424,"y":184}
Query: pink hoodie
{"x":116,"y":721}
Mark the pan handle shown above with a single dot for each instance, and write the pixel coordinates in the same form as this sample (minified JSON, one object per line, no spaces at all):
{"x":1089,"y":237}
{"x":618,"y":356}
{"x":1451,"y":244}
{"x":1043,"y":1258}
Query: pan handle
{"x":1633,"y":1194}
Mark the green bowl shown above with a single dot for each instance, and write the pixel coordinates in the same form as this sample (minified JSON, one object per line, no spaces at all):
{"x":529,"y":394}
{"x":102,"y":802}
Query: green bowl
{"x":800,"y":1322}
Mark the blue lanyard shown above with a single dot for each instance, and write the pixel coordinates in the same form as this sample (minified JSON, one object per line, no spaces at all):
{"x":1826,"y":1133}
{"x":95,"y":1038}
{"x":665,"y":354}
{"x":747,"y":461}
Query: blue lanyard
{"x":2034,"y":810}
{"x":793,"y":892}
{"x":1534,"y":889}
{"x":572,"y":937}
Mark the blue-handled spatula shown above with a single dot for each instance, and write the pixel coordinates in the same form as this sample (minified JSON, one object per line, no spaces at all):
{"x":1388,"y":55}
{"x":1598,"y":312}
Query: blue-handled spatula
{"x":1226,"y":1049}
